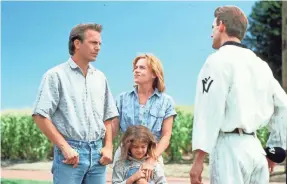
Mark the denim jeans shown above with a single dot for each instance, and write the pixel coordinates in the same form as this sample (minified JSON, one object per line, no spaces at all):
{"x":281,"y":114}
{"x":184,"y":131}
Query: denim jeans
{"x":88,"y":171}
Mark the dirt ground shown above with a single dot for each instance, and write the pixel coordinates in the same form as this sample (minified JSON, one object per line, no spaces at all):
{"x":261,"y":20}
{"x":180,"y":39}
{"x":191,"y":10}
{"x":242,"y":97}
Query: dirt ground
{"x":171,"y":170}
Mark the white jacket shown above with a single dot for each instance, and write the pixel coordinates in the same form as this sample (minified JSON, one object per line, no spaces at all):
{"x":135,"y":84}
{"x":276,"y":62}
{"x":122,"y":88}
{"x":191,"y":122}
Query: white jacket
{"x":236,"y":89}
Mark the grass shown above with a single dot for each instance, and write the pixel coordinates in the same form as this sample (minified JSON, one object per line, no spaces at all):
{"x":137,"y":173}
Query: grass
{"x":185,"y":108}
{"x":25,"y":111}
{"x":16,"y":181}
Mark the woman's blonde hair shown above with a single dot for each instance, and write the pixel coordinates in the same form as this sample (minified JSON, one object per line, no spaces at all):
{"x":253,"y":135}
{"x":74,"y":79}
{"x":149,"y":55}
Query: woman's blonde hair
{"x":155,"y":64}
{"x":136,"y":134}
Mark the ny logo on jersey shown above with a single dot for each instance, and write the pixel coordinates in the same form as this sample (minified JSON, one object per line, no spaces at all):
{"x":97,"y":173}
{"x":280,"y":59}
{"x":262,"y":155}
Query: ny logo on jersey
{"x":206,"y":83}
{"x":272,"y":150}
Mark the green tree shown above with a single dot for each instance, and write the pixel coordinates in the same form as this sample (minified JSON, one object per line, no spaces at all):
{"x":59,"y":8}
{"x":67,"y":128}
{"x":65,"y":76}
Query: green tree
{"x":267,"y":37}
{"x":264,"y":34}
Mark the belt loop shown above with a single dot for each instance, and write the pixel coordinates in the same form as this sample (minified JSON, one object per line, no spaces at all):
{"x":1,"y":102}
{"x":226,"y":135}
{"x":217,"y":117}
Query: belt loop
{"x":240,"y":131}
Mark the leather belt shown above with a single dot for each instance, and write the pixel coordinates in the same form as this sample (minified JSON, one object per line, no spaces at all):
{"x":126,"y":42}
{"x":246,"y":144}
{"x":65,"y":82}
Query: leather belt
{"x":237,"y":131}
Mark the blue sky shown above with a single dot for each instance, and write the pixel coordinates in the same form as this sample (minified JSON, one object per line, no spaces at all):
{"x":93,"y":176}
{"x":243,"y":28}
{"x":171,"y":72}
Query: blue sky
{"x":35,"y":38}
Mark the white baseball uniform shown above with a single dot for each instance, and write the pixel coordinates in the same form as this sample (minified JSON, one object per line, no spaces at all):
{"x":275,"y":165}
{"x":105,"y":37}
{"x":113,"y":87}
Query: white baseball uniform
{"x":236,"y":89}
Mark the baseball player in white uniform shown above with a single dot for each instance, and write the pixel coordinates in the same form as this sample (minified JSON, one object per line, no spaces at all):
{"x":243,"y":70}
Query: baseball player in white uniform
{"x":236,"y":95}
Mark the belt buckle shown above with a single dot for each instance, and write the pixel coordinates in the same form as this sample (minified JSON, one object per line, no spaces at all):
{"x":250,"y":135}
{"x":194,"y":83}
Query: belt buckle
{"x":240,"y":131}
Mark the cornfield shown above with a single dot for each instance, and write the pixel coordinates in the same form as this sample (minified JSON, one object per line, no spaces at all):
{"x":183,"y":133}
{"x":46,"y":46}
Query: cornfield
{"x":21,"y":139}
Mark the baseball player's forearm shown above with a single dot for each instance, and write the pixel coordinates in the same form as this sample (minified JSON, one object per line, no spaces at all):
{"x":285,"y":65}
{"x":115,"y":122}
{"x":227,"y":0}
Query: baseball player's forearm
{"x":199,"y":156}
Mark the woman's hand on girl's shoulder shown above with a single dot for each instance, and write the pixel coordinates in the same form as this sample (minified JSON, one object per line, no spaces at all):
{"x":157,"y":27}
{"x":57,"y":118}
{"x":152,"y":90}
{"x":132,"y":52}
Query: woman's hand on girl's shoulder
{"x":151,"y":160}
{"x":149,"y":166}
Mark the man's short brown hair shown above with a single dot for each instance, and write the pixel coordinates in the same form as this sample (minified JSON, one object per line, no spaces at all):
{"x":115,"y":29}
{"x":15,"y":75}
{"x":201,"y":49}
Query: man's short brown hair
{"x":234,"y":20}
{"x":78,"y":32}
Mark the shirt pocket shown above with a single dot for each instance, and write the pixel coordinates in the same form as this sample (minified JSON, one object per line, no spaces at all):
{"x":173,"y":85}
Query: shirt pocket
{"x":156,"y":119}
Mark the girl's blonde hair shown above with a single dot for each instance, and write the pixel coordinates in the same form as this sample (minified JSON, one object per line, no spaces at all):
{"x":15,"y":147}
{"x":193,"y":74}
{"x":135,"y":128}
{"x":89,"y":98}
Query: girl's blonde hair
{"x":135,"y":134}
{"x":155,"y":64}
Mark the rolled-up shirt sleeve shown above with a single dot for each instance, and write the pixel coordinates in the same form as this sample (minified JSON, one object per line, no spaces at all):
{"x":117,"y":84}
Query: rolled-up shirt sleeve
{"x":210,"y":103}
{"x":278,"y":122}
{"x":110,"y":109}
{"x":48,"y":95}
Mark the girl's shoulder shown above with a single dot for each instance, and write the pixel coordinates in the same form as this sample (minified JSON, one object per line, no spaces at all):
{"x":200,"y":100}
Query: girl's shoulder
{"x":128,"y":163}
{"x":122,"y":163}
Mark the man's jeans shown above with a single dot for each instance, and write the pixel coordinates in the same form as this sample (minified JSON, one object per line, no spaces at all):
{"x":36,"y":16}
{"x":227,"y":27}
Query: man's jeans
{"x":88,"y":171}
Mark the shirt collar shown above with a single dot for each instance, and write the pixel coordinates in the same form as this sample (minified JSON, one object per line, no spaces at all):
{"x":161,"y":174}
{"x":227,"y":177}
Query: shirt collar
{"x":234,"y":44}
{"x":134,"y":159}
{"x":156,"y":92}
{"x":73,"y":65}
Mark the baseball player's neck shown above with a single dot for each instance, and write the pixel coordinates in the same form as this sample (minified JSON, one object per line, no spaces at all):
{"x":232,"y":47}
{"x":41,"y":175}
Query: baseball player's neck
{"x":226,"y":38}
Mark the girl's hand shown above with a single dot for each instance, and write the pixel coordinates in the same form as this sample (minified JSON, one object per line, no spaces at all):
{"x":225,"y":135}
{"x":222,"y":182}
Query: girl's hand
{"x":141,"y":181}
{"x":140,"y":174}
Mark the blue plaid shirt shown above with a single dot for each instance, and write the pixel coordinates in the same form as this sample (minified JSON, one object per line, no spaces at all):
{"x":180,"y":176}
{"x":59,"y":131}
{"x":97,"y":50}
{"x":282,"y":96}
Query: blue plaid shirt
{"x":157,"y":108}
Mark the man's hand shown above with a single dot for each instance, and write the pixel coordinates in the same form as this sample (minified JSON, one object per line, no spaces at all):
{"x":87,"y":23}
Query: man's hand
{"x":71,"y":156}
{"x":148,"y":166}
{"x":197,"y":167}
{"x":271,"y":165}
{"x":195,"y":173}
{"x":48,"y":128}
{"x":107,"y":155}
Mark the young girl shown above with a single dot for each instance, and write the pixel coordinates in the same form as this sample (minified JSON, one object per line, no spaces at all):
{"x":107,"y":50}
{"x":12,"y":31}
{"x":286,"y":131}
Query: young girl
{"x":137,"y":144}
